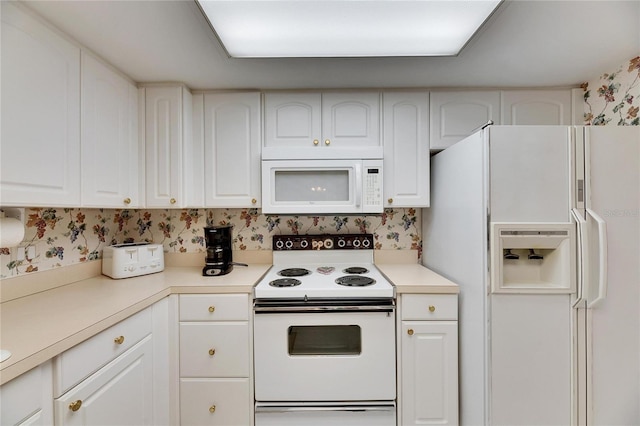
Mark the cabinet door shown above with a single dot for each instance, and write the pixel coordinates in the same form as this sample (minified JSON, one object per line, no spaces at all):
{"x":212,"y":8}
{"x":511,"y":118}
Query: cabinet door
{"x":121,"y":393}
{"x":406,"y":149}
{"x":224,"y":402}
{"x":455,"y":115}
{"x":536,"y":107}
{"x":232,"y":149}
{"x":292,"y":123}
{"x":40,"y":162}
{"x":109,"y":146}
{"x":28,"y":399}
{"x":167,"y":130}
{"x":351,"y":125}
{"x":429,"y":393}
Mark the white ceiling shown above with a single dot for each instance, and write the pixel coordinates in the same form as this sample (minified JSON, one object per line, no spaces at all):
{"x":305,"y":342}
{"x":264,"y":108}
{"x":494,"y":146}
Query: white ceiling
{"x":526,"y":43}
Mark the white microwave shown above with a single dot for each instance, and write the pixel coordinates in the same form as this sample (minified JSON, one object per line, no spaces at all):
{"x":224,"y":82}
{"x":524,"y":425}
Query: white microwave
{"x":321,"y":186}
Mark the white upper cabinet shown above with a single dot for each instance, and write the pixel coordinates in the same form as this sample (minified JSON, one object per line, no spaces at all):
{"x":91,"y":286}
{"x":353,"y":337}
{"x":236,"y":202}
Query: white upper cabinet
{"x":232,"y":149}
{"x":109,"y":137}
{"x":167,"y":146}
{"x":322,"y":125}
{"x":456,"y":114}
{"x":536,"y":107}
{"x":40,"y":163}
{"x":406,"y":149}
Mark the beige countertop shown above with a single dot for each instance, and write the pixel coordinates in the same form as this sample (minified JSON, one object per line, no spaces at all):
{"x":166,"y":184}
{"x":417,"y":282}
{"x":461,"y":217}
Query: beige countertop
{"x":39,"y":325}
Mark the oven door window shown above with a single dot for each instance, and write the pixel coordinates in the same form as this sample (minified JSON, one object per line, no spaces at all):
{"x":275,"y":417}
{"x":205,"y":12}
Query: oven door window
{"x":305,"y":340}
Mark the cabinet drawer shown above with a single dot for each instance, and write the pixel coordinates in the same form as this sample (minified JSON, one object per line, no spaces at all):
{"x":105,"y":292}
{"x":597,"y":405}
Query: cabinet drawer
{"x":215,"y":402}
{"x":214,"y":349}
{"x":429,"y":307}
{"x":75,"y":364}
{"x":214,"y":307}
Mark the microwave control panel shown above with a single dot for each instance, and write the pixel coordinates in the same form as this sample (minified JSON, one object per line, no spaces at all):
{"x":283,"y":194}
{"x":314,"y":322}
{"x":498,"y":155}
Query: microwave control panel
{"x":372,"y":185}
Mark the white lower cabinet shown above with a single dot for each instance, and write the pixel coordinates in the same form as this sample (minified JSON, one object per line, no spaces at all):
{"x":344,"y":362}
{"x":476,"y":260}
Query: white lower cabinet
{"x":121,"y":393}
{"x":215,"y":360}
{"x":28,"y":399}
{"x":428,"y":371}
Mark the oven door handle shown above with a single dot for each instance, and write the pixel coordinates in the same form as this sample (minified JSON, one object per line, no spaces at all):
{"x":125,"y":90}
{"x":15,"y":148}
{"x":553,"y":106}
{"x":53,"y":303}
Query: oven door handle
{"x":321,"y":309}
{"x":301,"y":408}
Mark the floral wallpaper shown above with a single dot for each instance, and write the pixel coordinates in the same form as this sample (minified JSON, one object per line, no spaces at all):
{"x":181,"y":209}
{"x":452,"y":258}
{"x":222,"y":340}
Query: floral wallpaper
{"x":63,"y":237}
{"x":615,"y":97}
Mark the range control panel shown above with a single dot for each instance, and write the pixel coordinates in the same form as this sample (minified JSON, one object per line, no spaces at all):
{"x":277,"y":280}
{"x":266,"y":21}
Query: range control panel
{"x":323,"y":242}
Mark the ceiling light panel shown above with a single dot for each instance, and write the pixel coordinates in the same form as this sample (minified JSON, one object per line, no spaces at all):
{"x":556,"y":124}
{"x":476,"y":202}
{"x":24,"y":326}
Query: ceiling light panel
{"x":345,"y":28}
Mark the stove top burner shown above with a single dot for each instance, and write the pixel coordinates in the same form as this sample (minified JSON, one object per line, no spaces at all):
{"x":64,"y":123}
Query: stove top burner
{"x":285,"y":282}
{"x":355,"y":270}
{"x":294,"y":272}
{"x":355,"y":281}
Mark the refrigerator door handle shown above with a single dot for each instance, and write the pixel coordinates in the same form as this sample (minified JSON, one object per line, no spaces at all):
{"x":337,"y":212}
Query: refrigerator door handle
{"x":600,"y":291}
{"x":581,"y":254}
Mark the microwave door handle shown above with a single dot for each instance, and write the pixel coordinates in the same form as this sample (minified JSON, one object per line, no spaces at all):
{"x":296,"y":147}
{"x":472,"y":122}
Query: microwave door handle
{"x":358,"y":172}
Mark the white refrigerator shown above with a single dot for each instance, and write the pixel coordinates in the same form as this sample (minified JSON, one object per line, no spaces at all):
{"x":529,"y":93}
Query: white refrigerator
{"x":540,"y":227}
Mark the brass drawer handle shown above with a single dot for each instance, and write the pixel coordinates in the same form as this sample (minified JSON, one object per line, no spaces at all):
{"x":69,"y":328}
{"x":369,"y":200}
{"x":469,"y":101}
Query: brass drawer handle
{"x":253,"y":201}
{"x":172,"y":201}
{"x":212,"y":409}
{"x":410,"y":332}
{"x":327,"y":142}
{"x":212,"y":309}
{"x":127,"y":201}
{"x":212,"y":352}
{"x":119,"y":340}
{"x":316,"y":141}
{"x":75,"y":405}
{"x":390,"y":200}
{"x":432,"y":308}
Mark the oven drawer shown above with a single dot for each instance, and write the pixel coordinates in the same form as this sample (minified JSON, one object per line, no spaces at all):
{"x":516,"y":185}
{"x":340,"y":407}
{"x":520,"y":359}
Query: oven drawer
{"x":434,"y":307}
{"x":214,"y":349}
{"x":214,"y":307}
{"x":326,"y":414}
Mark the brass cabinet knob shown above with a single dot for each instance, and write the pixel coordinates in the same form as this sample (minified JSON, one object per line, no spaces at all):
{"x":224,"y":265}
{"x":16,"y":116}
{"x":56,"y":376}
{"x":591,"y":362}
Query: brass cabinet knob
{"x":75,"y":405}
{"x":390,"y":200}
{"x":119,"y":340}
{"x":212,"y":409}
{"x":172,"y":201}
{"x":127,"y":201}
{"x":327,"y":142}
{"x":432,"y":308}
{"x":212,"y":309}
{"x":253,"y":201}
{"x":410,"y":332}
{"x":212,"y":352}
{"x":316,"y":141}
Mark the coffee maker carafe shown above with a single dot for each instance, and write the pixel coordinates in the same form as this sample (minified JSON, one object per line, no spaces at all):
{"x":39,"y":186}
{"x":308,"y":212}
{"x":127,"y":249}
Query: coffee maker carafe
{"x":219,"y":260}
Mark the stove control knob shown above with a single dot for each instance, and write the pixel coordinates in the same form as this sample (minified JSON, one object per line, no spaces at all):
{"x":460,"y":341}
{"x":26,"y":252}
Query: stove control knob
{"x":341,"y":243}
{"x":279,"y":244}
{"x":304,"y":244}
{"x":366,"y":243}
{"x":289,"y":244}
{"x":328,"y":243}
{"x":356,"y":243}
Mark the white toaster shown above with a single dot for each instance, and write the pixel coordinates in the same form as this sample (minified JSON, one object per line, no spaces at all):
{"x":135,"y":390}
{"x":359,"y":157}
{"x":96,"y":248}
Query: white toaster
{"x":132,"y":259}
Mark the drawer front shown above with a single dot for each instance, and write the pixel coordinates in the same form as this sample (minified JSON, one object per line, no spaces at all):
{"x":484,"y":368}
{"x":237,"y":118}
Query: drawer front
{"x":214,"y":307}
{"x":215,"y":402}
{"x":214,"y":349}
{"x":75,"y":364}
{"x":432,"y":307}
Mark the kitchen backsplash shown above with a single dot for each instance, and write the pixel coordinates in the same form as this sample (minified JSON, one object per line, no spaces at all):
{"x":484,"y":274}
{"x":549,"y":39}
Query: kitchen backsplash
{"x":63,"y":237}
{"x":614,"y":98}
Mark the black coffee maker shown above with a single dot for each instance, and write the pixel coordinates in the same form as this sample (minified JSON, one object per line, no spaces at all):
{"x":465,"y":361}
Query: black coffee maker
{"x":219,"y":260}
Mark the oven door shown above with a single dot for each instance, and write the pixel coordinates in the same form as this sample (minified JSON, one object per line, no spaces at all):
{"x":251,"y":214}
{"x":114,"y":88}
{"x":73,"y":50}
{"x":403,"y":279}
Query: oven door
{"x":326,"y":414}
{"x":325,"y":356}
